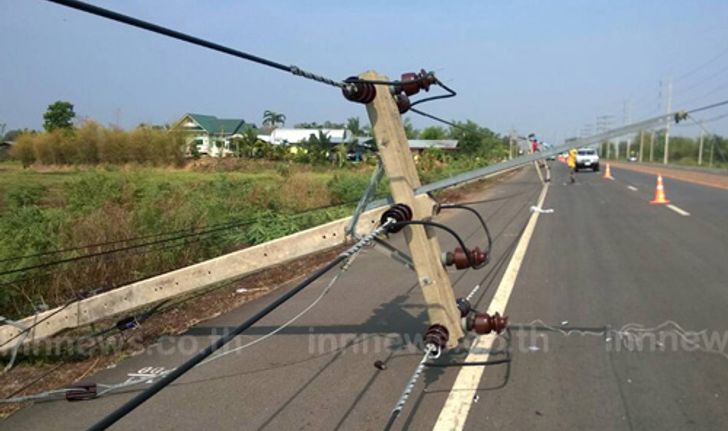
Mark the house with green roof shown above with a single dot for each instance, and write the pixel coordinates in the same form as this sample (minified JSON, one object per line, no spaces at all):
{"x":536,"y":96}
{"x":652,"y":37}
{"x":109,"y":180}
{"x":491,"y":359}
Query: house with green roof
{"x":211,"y":135}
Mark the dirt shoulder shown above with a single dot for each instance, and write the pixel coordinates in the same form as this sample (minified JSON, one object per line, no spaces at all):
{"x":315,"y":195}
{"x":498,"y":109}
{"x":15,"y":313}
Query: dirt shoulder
{"x":692,"y":176}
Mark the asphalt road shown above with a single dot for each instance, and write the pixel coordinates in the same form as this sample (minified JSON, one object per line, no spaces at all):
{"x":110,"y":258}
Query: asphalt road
{"x":604,"y":259}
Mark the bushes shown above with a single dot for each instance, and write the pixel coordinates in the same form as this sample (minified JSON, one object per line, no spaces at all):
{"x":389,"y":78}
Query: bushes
{"x":347,"y":187}
{"x":91,"y":143}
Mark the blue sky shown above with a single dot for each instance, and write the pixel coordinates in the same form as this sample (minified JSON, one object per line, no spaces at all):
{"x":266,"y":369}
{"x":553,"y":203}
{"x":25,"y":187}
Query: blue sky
{"x":543,"y":66}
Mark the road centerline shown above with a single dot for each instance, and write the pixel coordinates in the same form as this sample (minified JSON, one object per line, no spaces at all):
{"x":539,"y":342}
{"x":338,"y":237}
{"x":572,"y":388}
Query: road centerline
{"x":678,"y":210}
{"x":454,"y":413}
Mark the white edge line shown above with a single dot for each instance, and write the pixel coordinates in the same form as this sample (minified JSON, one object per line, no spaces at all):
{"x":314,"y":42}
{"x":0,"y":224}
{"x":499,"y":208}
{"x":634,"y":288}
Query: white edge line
{"x":678,"y":210}
{"x":457,"y":406}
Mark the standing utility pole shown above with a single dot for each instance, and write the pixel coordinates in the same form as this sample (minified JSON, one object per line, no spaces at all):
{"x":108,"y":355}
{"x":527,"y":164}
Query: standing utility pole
{"x":652,"y":145}
{"x":511,"y":139}
{"x":403,"y":179}
{"x":603,"y":124}
{"x":627,"y":120}
{"x":642,"y":143}
{"x":700,"y":149}
{"x":666,"y":158}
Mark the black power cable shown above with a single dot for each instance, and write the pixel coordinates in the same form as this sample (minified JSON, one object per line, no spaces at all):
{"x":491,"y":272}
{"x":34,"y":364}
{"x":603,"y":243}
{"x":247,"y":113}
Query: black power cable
{"x":210,"y":229}
{"x":120,"y":249}
{"x":144,"y":25}
{"x":450,"y":91}
{"x":154,"y":28}
{"x":482,"y":223}
{"x":130,"y":405}
{"x":452,"y":233}
{"x":190,"y":229}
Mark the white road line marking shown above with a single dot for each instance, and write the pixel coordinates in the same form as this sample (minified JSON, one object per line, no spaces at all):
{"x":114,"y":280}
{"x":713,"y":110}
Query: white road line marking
{"x":633,"y":188}
{"x":678,"y":210}
{"x":455,"y":412}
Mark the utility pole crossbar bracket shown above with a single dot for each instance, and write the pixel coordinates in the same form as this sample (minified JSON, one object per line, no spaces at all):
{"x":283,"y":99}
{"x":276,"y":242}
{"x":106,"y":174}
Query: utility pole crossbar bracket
{"x":424,"y":247}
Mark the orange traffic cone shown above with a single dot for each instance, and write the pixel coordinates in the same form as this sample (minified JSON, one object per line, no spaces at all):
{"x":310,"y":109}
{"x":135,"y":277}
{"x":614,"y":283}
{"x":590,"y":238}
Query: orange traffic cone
{"x":608,"y":173}
{"x":659,"y":193}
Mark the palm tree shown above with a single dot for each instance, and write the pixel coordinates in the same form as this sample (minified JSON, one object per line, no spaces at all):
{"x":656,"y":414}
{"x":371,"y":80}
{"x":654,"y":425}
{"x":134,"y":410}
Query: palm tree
{"x":272,"y":119}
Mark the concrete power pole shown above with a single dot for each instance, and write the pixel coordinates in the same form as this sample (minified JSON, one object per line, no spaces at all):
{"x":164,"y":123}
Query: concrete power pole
{"x":511,"y":140}
{"x":603,"y":124}
{"x":700,"y":149}
{"x":642,"y":144}
{"x":627,"y":120}
{"x":652,"y":145}
{"x":666,"y":158}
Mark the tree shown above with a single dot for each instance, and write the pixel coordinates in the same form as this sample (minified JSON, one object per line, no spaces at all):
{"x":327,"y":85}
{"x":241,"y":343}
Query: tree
{"x":272,"y":119}
{"x":409,"y":129}
{"x":12,"y":135}
{"x":317,"y":147}
{"x":59,"y":115}
{"x":433,"y":132}
{"x":354,"y":126}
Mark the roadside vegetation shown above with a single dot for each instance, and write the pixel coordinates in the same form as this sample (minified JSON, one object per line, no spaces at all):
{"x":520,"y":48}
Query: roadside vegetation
{"x":683,"y":150}
{"x":86,"y":208}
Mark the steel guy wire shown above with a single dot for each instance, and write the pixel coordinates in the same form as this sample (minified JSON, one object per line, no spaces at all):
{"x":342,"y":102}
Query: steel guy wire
{"x":351,"y":255}
{"x":409,"y":387}
{"x":140,"y":398}
{"x":91,"y":292}
{"x":347,"y":264}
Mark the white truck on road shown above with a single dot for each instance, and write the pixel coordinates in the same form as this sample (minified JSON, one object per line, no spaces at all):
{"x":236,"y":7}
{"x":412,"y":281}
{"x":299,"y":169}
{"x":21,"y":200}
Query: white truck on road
{"x":587,"y":158}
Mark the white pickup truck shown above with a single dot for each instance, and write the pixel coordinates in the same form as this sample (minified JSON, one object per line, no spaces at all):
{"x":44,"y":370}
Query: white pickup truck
{"x":587,"y":158}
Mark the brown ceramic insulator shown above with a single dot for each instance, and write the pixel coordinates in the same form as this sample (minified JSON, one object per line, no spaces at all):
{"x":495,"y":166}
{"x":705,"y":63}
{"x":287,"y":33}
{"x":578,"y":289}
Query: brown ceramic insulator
{"x":398,"y":212}
{"x":437,"y":335}
{"x":411,"y":83}
{"x":358,"y":91}
{"x":403,"y":102}
{"x":478,"y":255}
{"x":483,"y":323}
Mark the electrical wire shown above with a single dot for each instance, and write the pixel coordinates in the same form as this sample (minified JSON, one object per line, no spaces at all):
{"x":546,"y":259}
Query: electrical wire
{"x":140,"y":398}
{"x":450,"y":91}
{"x":482,"y":223}
{"x":147,"y":314}
{"x":347,"y":264}
{"x":154,"y":28}
{"x":117,"y":250}
{"x":454,"y":234}
{"x":118,"y":241}
{"x":433,"y":117}
{"x":90,"y":292}
{"x":708,"y":107}
{"x":239,"y":223}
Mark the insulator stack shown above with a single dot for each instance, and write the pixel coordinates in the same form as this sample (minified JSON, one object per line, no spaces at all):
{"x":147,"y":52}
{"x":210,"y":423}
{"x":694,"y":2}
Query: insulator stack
{"x":360,"y":92}
{"x":398,"y":212}
{"x":459,"y":258}
{"x":483,"y":323}
{"x":437,"y":335}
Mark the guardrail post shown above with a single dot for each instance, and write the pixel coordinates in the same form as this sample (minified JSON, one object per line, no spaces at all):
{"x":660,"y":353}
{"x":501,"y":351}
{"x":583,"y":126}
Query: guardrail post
{"x":399,"y":166}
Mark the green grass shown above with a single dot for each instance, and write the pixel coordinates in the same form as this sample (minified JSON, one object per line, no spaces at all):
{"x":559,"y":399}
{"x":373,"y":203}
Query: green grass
{"x":43,"y":211}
